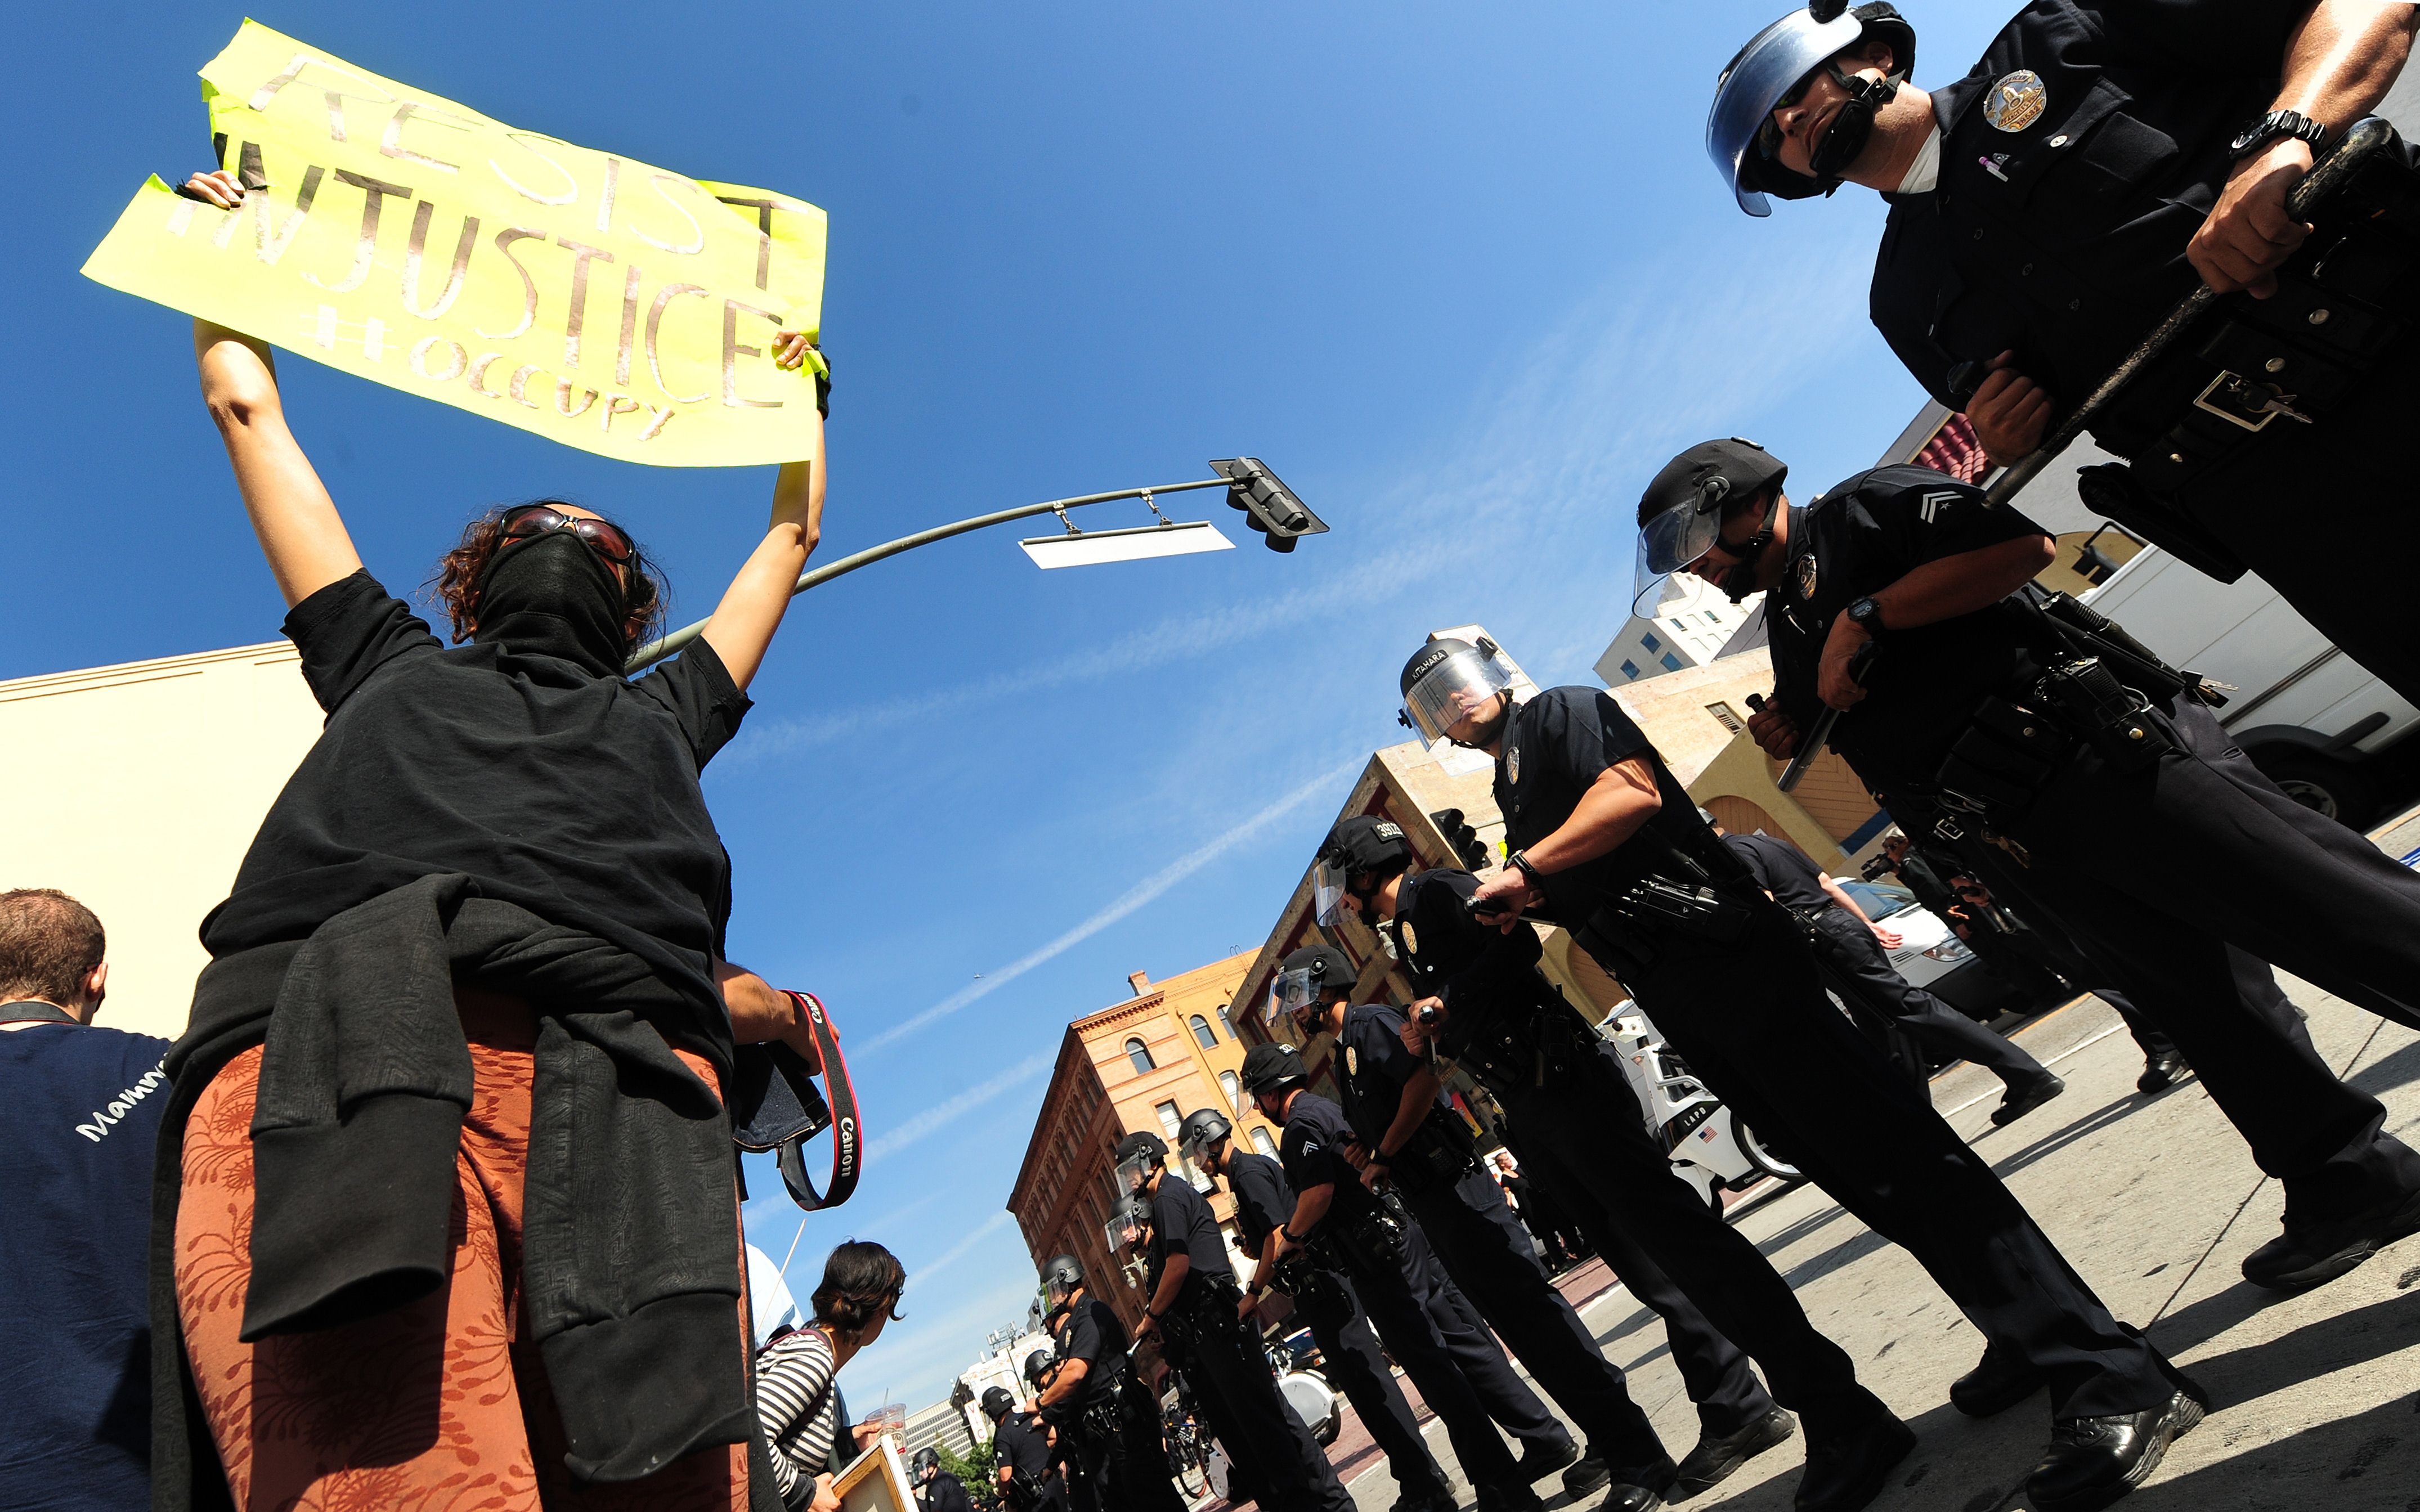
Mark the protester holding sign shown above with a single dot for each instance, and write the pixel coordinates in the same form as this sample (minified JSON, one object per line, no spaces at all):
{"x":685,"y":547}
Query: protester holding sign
{"x":446,"y":1181}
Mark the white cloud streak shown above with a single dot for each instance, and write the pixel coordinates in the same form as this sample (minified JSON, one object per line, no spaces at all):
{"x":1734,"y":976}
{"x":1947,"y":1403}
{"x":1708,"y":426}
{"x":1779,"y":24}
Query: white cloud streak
{"x":960,"y":1250}
{"x":940,"y":1114}
{"x":1134,"y":898}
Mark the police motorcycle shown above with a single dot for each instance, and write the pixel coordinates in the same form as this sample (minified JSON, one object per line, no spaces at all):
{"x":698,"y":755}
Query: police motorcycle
{"x":1711,"y":1148}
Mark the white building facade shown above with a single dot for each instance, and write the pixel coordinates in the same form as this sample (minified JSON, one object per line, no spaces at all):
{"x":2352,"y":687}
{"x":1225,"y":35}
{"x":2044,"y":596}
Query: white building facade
{"x":1689,"y":627}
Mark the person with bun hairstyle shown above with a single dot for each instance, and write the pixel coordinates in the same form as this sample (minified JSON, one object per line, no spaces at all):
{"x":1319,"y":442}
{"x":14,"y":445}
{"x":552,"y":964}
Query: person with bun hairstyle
{"x":798,"y":1403}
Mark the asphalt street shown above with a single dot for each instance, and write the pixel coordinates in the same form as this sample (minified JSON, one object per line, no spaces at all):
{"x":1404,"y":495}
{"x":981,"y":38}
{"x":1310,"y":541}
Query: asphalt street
{"x":2156,"y":1201}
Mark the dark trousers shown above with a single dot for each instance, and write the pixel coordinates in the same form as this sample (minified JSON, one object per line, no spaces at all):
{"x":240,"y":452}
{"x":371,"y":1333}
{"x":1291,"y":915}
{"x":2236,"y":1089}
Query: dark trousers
{"x":1484,"y":1248}
{"x":1289,"y":1470}
{"x":1750,"y":1017}
{"x":2190,"y":875}
{"x":1124,"y":1469}
{"x":1582,"y":1134}
{"x":1334,"y":1313}
{"x":1858,"y":957}
{"x":1477,"y":1355}
{"x":2041,"y":959}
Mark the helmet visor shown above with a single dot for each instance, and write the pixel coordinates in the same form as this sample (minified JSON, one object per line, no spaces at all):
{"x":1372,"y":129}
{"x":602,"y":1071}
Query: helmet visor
{"x":1767,"y":68}
{"x":1196,"y":1143}
{"x":1328,"y":890}
{"x":1133,"y":1172}
{"x":1291,"y":993}
{"x":1452,"y":691}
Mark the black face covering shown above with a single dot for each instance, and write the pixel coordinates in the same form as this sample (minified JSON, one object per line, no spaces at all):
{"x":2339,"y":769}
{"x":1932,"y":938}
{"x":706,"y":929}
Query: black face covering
{"x":550,"y":595}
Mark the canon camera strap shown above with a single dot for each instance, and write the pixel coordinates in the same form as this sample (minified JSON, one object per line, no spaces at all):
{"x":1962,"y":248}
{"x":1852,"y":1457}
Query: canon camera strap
{"x":847,"y":1145}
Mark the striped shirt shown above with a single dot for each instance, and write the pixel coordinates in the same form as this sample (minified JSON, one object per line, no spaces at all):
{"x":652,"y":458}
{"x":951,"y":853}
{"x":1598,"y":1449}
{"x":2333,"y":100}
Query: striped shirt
{"x":797,"y":1406}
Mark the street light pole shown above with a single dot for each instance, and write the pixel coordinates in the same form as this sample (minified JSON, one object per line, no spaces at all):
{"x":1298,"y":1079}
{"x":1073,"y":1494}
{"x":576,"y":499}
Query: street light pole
{"x":656,"y":651}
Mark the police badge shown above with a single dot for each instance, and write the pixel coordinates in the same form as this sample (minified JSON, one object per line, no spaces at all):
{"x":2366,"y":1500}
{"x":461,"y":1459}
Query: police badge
{"x":1513,"y":763}
{"x":1352,"y":1061}
{"x":2016,"y":101}
{"x":1806,"y":573}
{"x":1410,"y":942}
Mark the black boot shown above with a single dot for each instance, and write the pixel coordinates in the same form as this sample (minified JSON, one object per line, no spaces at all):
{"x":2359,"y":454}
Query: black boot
{"x":1846,"y":1470}
{"x":2019,"y":1101}
{"x":2093,"y":1462}
{"x":1714,"y":1458}
{"x":2159,"y":1071}
{"x":1999,"y":1380}
{"x":2309,"y":1254}
{"x":1541,"y":1458}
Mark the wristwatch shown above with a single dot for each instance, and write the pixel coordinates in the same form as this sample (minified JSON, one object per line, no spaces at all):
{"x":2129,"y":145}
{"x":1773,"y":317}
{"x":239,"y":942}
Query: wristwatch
{"x":1867,"y":615}
{"x":1535,"y":878}
{"x":2269,"y":127}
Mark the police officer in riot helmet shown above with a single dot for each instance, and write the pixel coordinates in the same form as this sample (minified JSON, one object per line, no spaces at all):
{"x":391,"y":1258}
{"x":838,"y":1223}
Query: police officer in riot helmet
{"x":937,"y":1491}
{"x":2099,"y":164}
{"x":1121,"y":1463}
{"x":1021,"y":1449}
{"x":1413,"y":1142}
{"x":2083,"y":782}
{"x":1328,"y":1301}
{"x":1490,"y":1009}
{"x":1604,"y":838}
{"x":1195,"y":1309}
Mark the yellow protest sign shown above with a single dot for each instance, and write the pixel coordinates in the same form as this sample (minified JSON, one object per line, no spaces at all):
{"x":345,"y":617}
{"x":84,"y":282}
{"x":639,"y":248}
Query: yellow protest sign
{"x":596,"y":299}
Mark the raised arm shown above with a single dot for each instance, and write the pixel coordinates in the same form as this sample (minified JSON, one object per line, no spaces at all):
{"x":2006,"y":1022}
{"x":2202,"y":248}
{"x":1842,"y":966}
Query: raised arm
{"x":296,"y":521}
{"x":743,"y":624}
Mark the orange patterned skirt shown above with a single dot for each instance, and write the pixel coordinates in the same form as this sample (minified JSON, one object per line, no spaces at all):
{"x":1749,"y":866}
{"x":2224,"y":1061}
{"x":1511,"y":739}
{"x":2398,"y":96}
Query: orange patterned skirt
{"x":440,"y":1406}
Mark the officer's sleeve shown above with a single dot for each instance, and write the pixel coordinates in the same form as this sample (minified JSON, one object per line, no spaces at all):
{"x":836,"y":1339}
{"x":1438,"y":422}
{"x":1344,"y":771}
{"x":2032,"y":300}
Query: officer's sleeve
{"x":1489,"y":963}
{"x":1256,"y":1195}
{"x":1909,"y":517}
{"x":1298,"y":1153}
{"x":1378,"y":1042}
{"x":2245,"y":39}
{"x":1082,"y":1340}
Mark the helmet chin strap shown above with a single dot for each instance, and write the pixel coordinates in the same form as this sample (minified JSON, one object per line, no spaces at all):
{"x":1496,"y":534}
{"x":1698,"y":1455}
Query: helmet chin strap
{"x":1741,"y":581}
{"x":1853,"y":127}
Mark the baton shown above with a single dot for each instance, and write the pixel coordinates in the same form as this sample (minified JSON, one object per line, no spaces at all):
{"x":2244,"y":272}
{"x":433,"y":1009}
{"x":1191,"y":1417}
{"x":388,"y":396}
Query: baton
{"x":1812,"y":745}
{"x":2326,"y":177}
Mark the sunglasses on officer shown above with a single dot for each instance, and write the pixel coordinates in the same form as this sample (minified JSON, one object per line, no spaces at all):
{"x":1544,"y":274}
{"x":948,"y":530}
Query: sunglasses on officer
{"x":601,"y":536}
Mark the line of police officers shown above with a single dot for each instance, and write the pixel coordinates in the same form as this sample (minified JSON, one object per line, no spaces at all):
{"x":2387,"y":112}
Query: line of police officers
{"x":2103,"y":159}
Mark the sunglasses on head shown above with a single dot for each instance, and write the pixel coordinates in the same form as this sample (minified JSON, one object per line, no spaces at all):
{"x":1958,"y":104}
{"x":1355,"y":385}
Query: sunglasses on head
{"x":600,"y":536}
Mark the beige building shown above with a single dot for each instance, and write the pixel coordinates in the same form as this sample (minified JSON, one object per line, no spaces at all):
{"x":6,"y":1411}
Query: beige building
{"x":137,"y":789}
{"x":1137,"y":1066}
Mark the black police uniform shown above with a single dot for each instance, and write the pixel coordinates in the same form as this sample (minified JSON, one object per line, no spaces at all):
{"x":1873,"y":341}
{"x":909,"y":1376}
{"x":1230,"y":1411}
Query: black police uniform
{"x":1797,"y":884}
{"x":1584,"y":1137}
{"x":1123,"y":1464}
{"x":2178,"y":873}
{"x":1483,"y":1247}
{"x":1330,"y":1304}
{"x":2078,"y":157}
{"x":1732,"y":982}
{"x":1559,"y":1240}
{"x":1021,"y":1444}
{"x":944,"y":1492}
{"x":1393,"y":1272}
{"x":1226,"y":1364}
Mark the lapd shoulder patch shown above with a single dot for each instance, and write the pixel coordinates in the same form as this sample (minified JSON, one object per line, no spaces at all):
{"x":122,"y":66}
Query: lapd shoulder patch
{"x":1352,"y":1061}
{"x":1807,"y":569}
{"x":2016,"y":101}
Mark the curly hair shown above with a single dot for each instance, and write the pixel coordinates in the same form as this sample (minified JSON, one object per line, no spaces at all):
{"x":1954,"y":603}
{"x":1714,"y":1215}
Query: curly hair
{"x":862,"y":1283}
{"x":456,"y":582}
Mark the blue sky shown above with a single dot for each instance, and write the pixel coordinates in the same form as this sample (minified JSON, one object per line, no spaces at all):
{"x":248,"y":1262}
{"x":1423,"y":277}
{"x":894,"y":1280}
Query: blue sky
{"x":1462,"y":274}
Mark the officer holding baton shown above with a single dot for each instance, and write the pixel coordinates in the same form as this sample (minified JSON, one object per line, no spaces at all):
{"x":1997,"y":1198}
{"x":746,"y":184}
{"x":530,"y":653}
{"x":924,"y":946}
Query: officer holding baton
{"x":2100,"y":163}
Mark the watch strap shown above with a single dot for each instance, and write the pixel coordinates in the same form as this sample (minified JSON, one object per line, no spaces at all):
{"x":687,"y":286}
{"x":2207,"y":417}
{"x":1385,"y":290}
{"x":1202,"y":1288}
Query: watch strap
{"x":2276,"y":124}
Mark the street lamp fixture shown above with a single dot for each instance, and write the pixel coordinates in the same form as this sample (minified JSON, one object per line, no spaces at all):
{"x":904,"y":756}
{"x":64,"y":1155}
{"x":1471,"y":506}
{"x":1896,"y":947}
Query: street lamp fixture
{"x":1271,"y":506}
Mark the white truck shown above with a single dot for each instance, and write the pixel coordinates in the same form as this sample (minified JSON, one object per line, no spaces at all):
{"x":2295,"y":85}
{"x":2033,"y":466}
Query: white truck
{"x":2310,"y":717}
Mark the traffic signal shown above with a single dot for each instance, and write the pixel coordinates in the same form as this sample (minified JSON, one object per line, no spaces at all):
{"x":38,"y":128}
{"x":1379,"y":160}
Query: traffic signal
{"x":1269,"y":505}
{"x":1462,"y":837}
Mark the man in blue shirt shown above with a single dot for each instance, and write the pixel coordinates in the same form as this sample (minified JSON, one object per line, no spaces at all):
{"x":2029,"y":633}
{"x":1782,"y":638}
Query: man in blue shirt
{"x":82,"y":1112}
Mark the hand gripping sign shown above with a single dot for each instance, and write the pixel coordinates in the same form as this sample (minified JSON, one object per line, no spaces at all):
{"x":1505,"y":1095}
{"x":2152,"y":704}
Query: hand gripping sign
{"x":593,"y":299}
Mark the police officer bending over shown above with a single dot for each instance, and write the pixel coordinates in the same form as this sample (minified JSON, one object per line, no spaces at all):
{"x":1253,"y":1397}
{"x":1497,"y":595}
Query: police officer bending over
{"x":1605,"y":838}
{"x":935,"y":1492}
{"x":1498,"y":1016}
{"x":1196,"y":1306}
{"x":1848,"y":945}
{"x":1021,"y":1448}
{"x":2087,"y":783}
{"x":2047,"y":210}
{"x":1329,"y":1304}
{"x":1110,"y":1435}
{"x":1410,"y":1140}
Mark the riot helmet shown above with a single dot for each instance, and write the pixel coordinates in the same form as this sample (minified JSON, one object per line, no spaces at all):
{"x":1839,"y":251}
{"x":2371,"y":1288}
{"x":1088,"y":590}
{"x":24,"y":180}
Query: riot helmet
{"x":1062,"y":1278}
{"x":1137,"y":1156}
{"x":1680,"y":514}
{"x":997,"y":1402}
{"x":1306,"y":975}
{"x":1128,"y":1223}
{"x":1037,"y":1367}
{"x":1273,"y":1070}
{"x":1202,"y":1128}
{"x":1773,"y":69}
{"x":1446,"y":681}
{"x":928,"y":1462}
{"x":1361,"y":853}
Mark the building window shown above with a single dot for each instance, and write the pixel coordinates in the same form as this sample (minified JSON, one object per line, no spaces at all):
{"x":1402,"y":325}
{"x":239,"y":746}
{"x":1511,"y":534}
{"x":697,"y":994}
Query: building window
{"x":1647,"y":638}
{"x":1630,"y":670}
{"x":1204,"y":1033}
{"x":1672,"y":662}
{"x":1233,"y":1089}
{"x":1225,"y":1023}
{"x":1140,"y":1054}
{"x":1730,"y":718}
{"x":1262,"y":1142}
